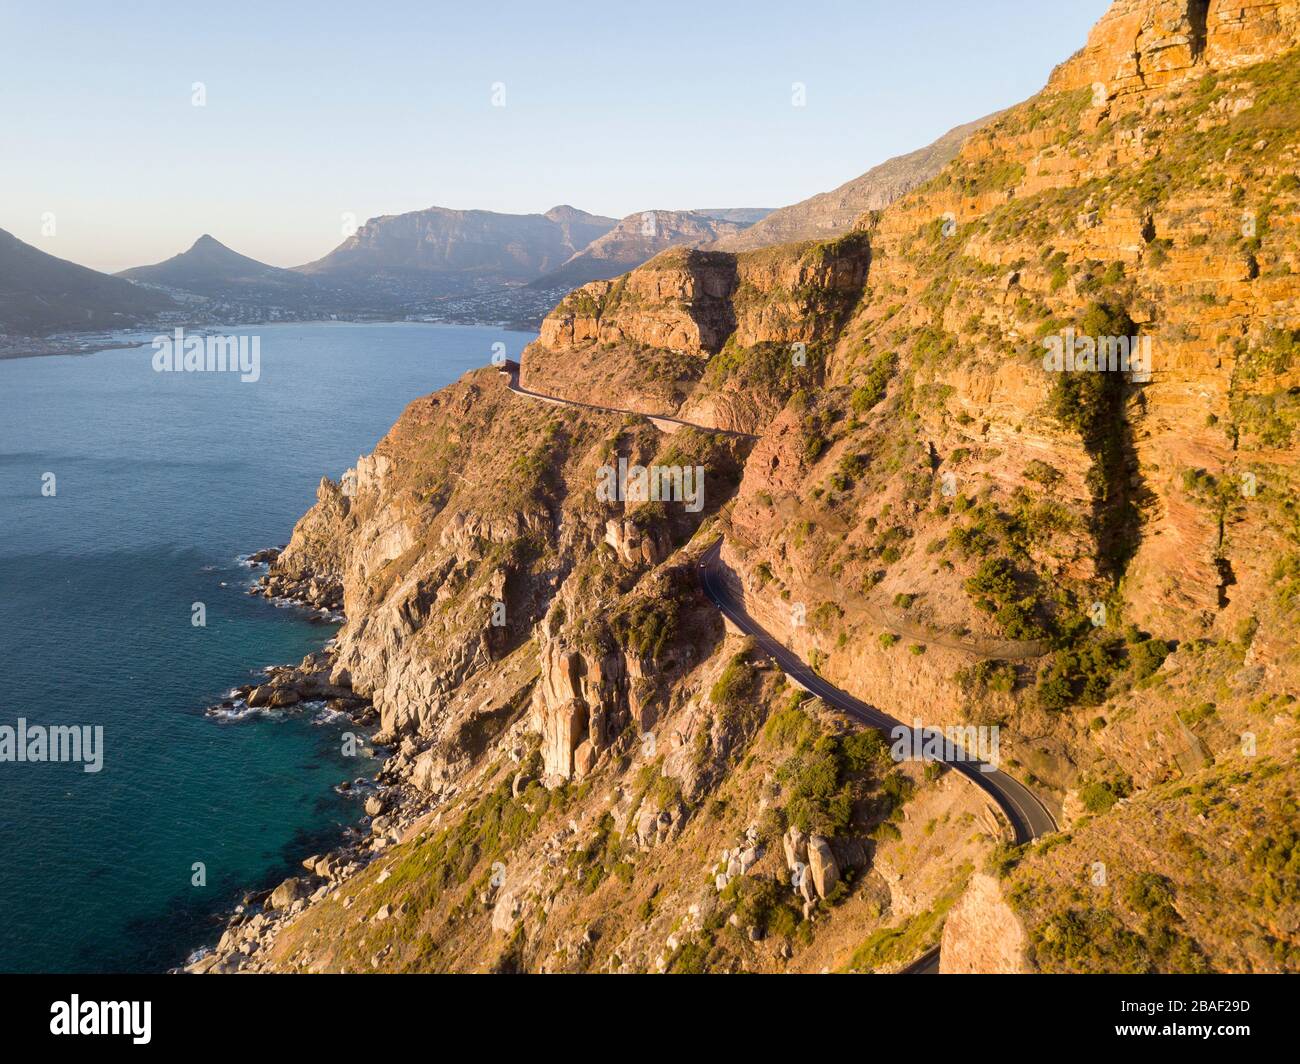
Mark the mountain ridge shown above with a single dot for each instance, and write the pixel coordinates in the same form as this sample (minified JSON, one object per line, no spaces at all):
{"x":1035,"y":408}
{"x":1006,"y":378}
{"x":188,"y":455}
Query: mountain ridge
{"x":634,"y":240}
{"x":40,"y":294}
{"x":512,"y":247}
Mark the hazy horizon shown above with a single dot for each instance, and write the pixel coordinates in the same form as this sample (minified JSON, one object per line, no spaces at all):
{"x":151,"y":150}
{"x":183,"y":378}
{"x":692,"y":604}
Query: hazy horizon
{"x":297,"y":131}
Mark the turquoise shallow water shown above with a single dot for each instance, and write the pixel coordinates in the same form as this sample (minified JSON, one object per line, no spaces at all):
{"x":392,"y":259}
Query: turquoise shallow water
{"x":163,"y":480}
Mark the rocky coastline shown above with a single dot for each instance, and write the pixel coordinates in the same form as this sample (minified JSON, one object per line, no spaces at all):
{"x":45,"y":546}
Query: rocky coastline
{"x":391,"y":803}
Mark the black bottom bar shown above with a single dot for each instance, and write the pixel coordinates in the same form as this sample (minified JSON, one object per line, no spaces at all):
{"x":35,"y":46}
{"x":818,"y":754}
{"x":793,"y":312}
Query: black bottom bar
{"x":338,"y":1013}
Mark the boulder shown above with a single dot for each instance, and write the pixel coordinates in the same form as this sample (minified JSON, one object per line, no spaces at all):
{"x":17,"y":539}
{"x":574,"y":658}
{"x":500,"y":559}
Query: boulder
{"x":284,"y":696}
{"x":505,"y":913}
{"x":584,"y":758}
{"x":647,"y":828}
{"x":821,"y":864}
{"x":291,"y":890}
{"x":806,"y":890}
{"x":795,"y":844}
{"x":635,"y":545}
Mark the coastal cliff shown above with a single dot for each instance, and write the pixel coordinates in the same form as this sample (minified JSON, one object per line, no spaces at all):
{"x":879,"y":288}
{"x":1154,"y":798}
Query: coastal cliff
{"x":592,"y":773}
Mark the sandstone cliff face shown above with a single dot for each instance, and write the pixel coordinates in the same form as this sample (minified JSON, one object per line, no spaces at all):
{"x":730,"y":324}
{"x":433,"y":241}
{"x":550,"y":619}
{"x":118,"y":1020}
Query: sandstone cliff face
{"x":437,"y":567}
{"x":941,"y":441}
{"x":578,"y":706}
{"x":718,"y":339}
{"x":1103,"y":566}
{"x":687,"y":293}
{"x":1140,"y":45}
{"x":443,"y":573}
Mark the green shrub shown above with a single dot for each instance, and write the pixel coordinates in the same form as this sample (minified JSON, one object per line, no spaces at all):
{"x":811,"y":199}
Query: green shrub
{"x":1005,"y":857}
{"x":819,"y":802}
{"x":737,"y":683}
{"x":985,"y":676}
{"x":872,"y":390}
{"x":1146,"y":657}
{"x":1098,"y":796}
{"x":1078,"y":675}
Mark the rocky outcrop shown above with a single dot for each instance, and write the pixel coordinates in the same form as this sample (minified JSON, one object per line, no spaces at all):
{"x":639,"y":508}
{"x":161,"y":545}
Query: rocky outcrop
{"x":1146,"y":44}
{"x":309,"y":682}
{"x":718,"y":339}
{"x":822,"y":866}
{"x":635,"y":545}
{"x":579,"y":704}
{"x":810,"y":860}
{"x":982,"y":933}
{"x":678,"y":301}
{"x":310,"y":568}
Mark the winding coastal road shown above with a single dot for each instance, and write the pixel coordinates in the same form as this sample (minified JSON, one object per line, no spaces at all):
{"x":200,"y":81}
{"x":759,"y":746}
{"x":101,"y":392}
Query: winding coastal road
{"x":1028,"y":817}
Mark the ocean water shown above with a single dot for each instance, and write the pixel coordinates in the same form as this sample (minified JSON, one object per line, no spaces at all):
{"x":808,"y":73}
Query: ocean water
{"x":162,"y":482}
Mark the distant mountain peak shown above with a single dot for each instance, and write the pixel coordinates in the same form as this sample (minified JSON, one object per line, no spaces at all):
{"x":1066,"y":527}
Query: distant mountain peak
{"x":210,"y":268}
{"x":563,"y":212}
{"x":634,"y":240}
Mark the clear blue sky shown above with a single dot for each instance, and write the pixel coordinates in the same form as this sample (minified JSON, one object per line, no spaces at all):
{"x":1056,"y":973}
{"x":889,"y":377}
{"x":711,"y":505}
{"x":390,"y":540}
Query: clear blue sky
{"x":318,"y":109}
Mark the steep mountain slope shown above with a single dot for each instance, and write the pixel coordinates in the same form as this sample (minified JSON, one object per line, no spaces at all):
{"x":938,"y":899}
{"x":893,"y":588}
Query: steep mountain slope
{"x":635,"y":239}
{"x":1045,"y":539}
{"x":703,"y":334}
{"x":577,"y":737}
{"x":831,"y":214}
{"x":41,"y":294}
{"x":1099,"y":567}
